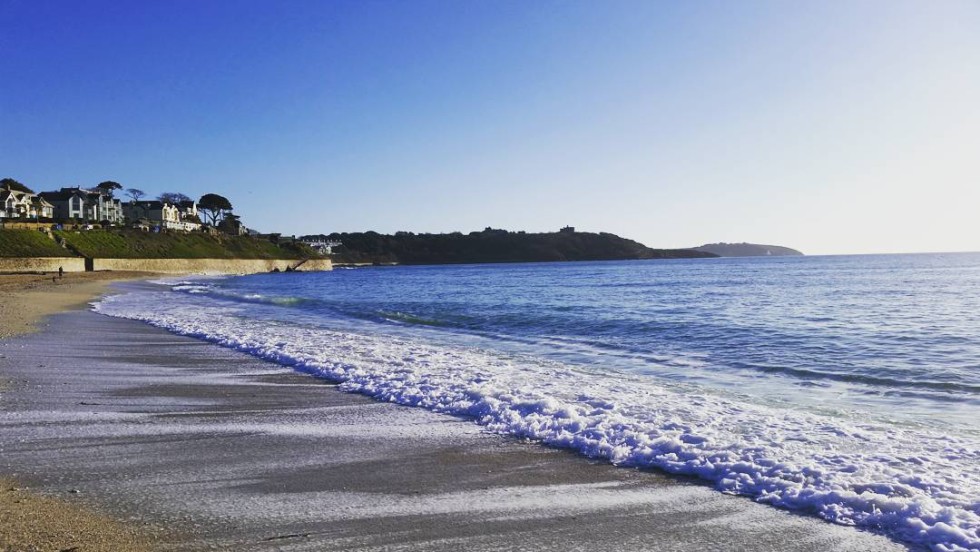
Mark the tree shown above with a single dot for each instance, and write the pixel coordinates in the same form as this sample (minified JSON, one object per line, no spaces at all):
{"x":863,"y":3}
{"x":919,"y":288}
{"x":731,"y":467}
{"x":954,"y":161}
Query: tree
{"x":15,"y":186}
{"x":231,"y":223}
{"x":214,"y":207}
{"x":108,"y":187}
{"x":135,"y":193}
{"x":173,"y":198}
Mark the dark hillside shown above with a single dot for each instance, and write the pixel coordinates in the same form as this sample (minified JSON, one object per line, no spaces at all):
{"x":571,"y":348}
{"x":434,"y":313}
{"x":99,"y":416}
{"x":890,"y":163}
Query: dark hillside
{"x":493,"y":246}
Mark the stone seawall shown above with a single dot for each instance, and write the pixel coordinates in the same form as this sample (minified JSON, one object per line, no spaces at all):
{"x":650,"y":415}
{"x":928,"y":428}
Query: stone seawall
{"x":41,"y":264}
{"x":174,"y":266}
{"x":211,"y":266}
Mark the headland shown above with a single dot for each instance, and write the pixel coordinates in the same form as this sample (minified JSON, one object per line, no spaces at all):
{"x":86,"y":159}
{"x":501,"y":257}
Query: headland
{"x":492,"y":246}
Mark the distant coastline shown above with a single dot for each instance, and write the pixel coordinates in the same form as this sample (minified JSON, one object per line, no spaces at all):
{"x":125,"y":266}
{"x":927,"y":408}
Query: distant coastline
{"x":44,"y":248}
{"x":747,"y":250}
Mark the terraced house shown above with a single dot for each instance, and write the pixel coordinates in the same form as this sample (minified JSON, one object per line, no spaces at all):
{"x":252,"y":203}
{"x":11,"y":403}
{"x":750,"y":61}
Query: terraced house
{"x":79,"y":204}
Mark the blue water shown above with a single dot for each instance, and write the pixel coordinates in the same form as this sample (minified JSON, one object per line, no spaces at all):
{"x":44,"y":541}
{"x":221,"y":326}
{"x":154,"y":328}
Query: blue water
{"x":844,"y":387}
{"x":896,"y":334}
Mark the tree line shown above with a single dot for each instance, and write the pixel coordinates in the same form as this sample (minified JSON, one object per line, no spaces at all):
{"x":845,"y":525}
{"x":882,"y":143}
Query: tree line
{"x":491,"y":246}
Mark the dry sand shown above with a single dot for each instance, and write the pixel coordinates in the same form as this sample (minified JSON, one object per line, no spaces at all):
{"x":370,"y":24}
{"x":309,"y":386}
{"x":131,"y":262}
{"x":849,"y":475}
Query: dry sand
{"x":32,"y":522}
{"x":25,"y":299}
{"x":204,"y":448}
{"x":29,"y":521}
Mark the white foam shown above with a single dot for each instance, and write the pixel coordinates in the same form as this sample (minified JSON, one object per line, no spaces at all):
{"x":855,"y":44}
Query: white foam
{"x":910,"y":484}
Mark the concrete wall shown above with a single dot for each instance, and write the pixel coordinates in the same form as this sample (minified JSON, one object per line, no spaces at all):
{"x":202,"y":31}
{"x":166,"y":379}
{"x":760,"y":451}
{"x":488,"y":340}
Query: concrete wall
{"x":24,"y":224}
{"x":209,"y":266}
{"x":41,"y":264}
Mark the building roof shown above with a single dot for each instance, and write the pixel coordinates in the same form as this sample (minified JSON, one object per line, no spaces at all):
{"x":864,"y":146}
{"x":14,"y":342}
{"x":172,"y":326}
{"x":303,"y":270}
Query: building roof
{"x":63,"y":194}
{"x":16,"y":194}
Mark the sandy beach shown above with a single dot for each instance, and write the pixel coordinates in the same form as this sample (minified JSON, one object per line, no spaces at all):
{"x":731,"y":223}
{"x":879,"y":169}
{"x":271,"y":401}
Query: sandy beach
{"x":164,"y":442}
{"x":29,"y":521}
{"x":28,"y":298}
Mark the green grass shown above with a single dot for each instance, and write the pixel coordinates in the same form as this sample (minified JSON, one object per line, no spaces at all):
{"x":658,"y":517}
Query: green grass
{"x":134,"y":244}
{"x":29,"y":243}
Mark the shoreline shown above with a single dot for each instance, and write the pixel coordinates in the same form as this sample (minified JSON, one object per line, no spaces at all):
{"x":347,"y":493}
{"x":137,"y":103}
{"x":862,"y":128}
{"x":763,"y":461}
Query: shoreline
{"x":28,"y":299}
{"x":164,"y":431}
{"x":30,"y":520}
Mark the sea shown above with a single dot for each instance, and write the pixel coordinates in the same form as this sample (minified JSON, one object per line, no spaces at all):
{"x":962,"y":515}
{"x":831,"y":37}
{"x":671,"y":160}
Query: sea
{"x":843,"y":387}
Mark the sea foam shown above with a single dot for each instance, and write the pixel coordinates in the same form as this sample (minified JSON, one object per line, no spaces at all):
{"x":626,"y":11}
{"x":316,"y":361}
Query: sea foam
{"x":913,"y":485}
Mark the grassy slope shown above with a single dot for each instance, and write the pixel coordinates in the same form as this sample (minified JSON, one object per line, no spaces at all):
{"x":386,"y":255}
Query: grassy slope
{"x":132,"y":244}
{"x":29,"y":243}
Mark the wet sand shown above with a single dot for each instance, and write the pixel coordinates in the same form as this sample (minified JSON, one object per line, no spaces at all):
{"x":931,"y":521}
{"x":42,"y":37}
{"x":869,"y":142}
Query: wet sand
{"x":30,"y":521}
{"x":206,"y":448}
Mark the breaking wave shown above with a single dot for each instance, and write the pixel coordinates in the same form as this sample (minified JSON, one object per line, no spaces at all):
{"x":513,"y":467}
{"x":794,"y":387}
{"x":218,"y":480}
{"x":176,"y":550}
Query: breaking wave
{"x":912,"y":484}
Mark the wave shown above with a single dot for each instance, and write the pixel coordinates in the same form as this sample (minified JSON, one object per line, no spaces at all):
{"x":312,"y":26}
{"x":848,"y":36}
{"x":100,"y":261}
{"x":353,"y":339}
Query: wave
{"x":804,"y":355}
{"x":911,"y":484}
{"x":881,"y":382}
{"x":205,"y":287}
{"x":406,"y":318}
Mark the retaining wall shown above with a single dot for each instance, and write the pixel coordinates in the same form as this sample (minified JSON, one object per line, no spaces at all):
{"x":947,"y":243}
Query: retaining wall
{"x":41,"y":264}
{"x":210,"y":266}
{"x":18,"y":224}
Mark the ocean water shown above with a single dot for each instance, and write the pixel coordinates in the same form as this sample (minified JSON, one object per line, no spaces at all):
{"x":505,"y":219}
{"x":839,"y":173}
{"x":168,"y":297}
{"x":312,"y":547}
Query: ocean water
{"x":842,"y":387}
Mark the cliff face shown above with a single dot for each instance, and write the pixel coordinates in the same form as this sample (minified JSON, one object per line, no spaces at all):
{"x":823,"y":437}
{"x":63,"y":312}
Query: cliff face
{"x":747,"y":250}
{"x":493,"y":246}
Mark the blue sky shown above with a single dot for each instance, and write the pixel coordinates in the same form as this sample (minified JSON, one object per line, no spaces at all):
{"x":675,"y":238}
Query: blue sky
{"x":833,"y":127}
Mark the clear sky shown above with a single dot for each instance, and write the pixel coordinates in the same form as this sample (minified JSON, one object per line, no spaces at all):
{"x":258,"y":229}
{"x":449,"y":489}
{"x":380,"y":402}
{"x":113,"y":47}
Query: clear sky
{"x":829,"y":126}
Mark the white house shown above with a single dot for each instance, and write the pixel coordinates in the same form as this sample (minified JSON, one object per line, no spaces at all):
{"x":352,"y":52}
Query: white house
{"x":189,"y":219}
{"x":188,"y":209}
{"x":23,"y":205}
{"x":323,"y":247}
{"x":162,"y":214}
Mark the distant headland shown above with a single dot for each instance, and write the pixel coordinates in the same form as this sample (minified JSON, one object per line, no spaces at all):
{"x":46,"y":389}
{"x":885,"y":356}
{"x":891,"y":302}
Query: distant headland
{"x":490,"y":246}
{"x":747,"y":250}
